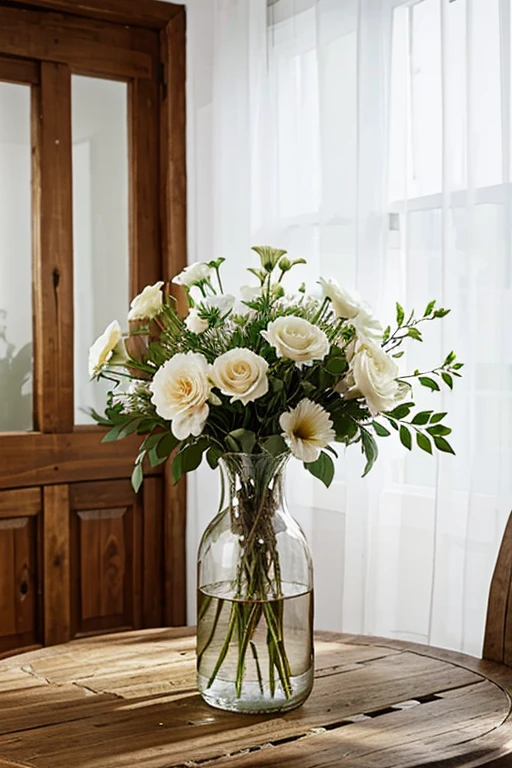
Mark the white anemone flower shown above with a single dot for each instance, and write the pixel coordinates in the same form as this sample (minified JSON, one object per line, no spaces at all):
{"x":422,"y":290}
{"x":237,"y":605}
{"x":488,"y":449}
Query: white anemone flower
{"x":307,"y":429}
{"x":108,"y":349}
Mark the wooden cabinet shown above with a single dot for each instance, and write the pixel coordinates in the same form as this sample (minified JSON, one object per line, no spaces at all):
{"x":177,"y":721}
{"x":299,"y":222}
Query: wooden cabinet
{"x":20,"y":580}
{"x":80,"y":553}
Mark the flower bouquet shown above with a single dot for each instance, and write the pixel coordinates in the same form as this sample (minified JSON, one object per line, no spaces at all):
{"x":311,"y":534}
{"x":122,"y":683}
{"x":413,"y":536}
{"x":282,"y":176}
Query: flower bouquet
{"x":247,"y":382}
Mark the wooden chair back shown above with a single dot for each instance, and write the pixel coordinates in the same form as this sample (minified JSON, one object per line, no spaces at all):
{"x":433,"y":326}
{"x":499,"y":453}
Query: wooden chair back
{"x":498,"y":627}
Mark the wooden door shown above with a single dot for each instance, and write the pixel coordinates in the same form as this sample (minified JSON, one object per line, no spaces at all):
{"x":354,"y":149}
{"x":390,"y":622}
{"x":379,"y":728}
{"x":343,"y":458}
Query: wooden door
{"x":79,"y":552}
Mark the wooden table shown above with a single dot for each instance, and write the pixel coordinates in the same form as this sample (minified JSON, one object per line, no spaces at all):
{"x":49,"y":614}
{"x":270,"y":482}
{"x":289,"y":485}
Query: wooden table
{"x":129,"y":701}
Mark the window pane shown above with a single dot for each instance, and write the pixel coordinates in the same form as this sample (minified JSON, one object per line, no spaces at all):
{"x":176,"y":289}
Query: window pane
{"x":15,"y":259}
{"x":100,"y":223}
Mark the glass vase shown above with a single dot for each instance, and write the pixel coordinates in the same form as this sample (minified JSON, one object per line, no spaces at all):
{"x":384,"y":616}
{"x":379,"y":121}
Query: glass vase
{"x":255,"y":594}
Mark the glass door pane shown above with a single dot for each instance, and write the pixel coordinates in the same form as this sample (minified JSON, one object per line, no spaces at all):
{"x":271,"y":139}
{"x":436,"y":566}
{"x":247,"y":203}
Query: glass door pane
{"x":16,"y":411}
{"x":100,"y":223}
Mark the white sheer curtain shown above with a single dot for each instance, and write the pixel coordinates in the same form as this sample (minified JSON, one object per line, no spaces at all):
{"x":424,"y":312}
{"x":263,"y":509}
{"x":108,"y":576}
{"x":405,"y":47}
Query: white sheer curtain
{"x":372,"y":137}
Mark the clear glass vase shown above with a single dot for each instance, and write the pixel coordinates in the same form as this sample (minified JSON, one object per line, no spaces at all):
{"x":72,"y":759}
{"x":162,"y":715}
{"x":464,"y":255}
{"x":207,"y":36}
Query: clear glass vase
{"x":255,"y":594}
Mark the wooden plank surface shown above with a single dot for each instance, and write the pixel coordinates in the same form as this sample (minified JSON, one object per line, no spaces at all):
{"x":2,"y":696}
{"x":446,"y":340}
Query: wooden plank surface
{"x":56,"y":562}
{"x":53,"y":249}
{"x":130,"y":699}
{"x":28,"y":459}
{"x":86,"y":46}
{"x":150,"y":13}
{"x":19,"y":71}
{"x":22,"y":502}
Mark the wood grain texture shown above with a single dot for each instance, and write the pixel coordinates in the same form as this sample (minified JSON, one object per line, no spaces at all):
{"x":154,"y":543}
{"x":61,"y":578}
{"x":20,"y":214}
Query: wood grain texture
{"x":29,"y":459}
{"x":153,"y":553}
{"x":150,"y":13}
{"x":498,"y":628}
{"x":145,"y":255}
{"x":19,"y":71}
{"x":173,"y":218}
{"x":24,"y":502}
{"x":53,"y":249}
{"x":129,"y":699}
{"x":56,"y":560}
{"x":88,"y":47}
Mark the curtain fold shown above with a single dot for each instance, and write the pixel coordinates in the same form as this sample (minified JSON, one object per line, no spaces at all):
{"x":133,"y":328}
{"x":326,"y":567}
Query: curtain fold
{"x":372,"y":137}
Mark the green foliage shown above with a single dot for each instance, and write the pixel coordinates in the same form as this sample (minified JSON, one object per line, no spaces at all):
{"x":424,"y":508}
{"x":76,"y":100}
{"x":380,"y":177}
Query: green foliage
{"x":369,"y":448}
{"x":405,"y":437}
{"x":322,"y":468}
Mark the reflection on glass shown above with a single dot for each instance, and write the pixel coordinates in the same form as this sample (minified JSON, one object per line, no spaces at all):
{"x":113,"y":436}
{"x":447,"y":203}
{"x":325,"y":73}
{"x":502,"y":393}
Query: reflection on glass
{"x":15,"y":260}
{"x":100,"y":223}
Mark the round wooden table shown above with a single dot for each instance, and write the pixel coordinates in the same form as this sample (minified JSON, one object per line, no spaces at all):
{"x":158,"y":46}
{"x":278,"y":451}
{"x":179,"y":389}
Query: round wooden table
{"x":129,"y":701}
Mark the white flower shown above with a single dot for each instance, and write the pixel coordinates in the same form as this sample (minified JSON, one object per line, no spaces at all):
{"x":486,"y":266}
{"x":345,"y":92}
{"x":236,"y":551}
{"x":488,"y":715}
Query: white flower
{"x":195,"y":323}
{"x":247,"y":293}
{"x":307,"y":429}
{"x":194,"y":273}
{"x":108,"y":348}
{"x":242,"y":374}
{"x":224,"y":303}
{"x":367,"y":325}
{"x":374,"y":374}
{"x":180,"y":391}
{"x":345,"y":304}
{"x":147,"y":304}
{"x":297,"y":339}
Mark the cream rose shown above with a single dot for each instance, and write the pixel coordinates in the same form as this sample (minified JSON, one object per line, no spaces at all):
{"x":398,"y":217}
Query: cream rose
{"x":297,"y":339}
{"x":180,"y":390}
{"x":242,"y":374}
{"x":147,"y":304}
{"x":107,"y":349}
{"x":374,"y":374}
{"x":194,"y":273}
{"x":345,"y":304}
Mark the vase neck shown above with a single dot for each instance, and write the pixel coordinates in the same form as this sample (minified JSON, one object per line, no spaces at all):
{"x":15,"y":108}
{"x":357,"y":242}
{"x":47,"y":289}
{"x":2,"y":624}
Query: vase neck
{"x":253,"y":478}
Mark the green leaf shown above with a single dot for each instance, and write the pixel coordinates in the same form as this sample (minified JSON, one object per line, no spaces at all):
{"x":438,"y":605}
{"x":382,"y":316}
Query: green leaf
{"x":448,"y":380}
{"x":430,"y":307}
{"x":393,"y":423}
{"x":137,"y":477}
{"x":400,"y":314}
{"x":231,"y":444}
{"x":443,"y":445}
{"x":275,"y":445}
{"x":414,"y":333}
{"x":331,"y":450}
{"x":458,"y":366}
{"x":213,"y":455}
{"x":214,"y":399}
{"x":426,"y":381}
{"x":450,"y":357}
{"x":385,"y":335}
{"x":398,"y":354}
{"x":422,"y":417}
{"x":322,"y":468}
{"x":176,"y":468}
{"x":336,"y":366}
{"x":423,"y":442}
{"x":405,"y":437}
{"x":439,"y":429}
{"x":380,"y":429}
{"x":441,"y":312}
{"x":370,"y":450}
{"x":192,"y":455}
{"x":401,"y":411}
{"x":245,"y":439}
{"x":121,"y":430}
{"x":438,"y":417}
{"x":166,"y":445}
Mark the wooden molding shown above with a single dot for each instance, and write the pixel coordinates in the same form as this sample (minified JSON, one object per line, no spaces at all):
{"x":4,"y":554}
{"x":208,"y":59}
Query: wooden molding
{"x":143,"y":13}
{"x":19,"y":71}
{"x":56,"y":565}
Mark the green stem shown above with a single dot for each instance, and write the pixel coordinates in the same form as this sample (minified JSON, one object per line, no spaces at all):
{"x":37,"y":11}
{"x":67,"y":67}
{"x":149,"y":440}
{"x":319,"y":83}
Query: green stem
{"x":205,"y":647}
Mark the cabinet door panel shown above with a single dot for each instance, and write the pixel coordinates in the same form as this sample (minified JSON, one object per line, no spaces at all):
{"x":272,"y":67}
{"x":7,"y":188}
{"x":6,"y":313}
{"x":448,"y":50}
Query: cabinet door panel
{"x":105,"y":520}
{"x":19,"y":582}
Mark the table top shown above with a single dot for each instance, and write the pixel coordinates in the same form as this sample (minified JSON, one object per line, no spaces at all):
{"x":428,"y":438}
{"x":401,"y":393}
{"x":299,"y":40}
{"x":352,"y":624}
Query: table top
{"x":128,"y":700}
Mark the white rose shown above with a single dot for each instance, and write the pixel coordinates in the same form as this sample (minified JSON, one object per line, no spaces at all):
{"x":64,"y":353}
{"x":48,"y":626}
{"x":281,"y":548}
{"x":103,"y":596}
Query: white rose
{"x":180,"y":390}
{"x":374,"y":374}
{"x":194,"y":273}
{"x":297,"y":339}
{"x":345,"y":304}
{"x":367,"y":325}
{"x":242,"y":374}
{"x":147,"y":304}
{"x":195,"y":323}
{"x":108,"y":348}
